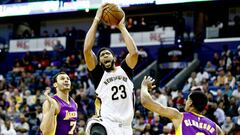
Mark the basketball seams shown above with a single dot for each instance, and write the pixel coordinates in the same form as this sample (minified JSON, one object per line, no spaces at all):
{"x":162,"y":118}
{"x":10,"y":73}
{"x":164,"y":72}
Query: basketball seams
{"x":112,"y":15}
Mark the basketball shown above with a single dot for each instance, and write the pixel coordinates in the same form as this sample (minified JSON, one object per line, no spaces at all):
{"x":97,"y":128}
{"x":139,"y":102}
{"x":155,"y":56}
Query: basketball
{"x":112,"y":15}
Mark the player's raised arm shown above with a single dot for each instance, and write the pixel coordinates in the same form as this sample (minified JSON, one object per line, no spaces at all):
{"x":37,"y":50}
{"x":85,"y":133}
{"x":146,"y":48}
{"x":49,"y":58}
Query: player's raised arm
{"x":149,"y":103}
{"x":48,"y":123}
{"x":132,"y":56}
{"x":89,"y":55}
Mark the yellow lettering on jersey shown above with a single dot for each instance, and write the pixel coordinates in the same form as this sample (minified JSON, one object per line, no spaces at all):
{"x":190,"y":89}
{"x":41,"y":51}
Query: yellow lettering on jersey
{"x":200,"y":125}
{"x":190,"y":124}
{"x":212,"y":130}
{"x":186,"y":123}
{"x":208,"y":127}
{"x":193,"y":123}
{"x":204,"y":126}
{"x":70,"y":115}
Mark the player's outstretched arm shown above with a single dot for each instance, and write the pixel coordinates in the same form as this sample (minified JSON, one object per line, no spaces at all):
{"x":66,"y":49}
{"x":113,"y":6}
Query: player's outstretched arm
{"x":132,"y":56}
{"x":147,"y":101}
{"x":50,"y":109}
{"x":89,"y":55}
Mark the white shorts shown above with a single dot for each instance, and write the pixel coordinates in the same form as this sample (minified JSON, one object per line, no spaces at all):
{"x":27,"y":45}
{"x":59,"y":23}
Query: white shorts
{"x":112,"y":128}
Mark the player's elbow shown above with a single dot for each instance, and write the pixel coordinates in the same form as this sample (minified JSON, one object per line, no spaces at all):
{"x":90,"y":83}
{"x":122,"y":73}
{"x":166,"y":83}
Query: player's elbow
{"x":86,"y":49}
{"x":134,"y":53}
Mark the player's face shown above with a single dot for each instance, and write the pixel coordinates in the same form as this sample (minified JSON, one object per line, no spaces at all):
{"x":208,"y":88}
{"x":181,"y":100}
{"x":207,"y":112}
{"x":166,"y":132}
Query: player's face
{"x":106,"y":59}
{"x":63,"y":82}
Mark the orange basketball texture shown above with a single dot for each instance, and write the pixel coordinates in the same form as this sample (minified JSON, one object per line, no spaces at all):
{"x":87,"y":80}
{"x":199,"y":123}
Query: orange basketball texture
{"x":112,"y":15}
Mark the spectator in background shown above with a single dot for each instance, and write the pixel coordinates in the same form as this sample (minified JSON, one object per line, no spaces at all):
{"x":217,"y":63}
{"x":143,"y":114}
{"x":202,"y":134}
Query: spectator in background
{"x":66,"y":32}
{"x":210,"y":68}
{"x":34,"y":123}
{"x":2,"y":84}
{"x":27,"y":57}
{"x":72,"y":62}
{"x":22,"y":127}
{"x":139,"y":126}
{"x":193,"y":80}
{"x":202,"y":75}
{"x":227,"y":126}
{"x":131,"y":24}
{"x":45,"y":33}
{"x":156,"y":127}
{"x":58,"y":51}
{"x":230,"y":79}
{"x":236,"y":120}
{"x":56,"y":33}
{"x":216,"y":59}
{"x":44,"y":60}
{"x":222,"y":63}
{"x":219,"y":113}
{"x":161,"y":97}
{"x":221,"y":76}
{"x":236,"y":93}
{"x":227,"y":90}
{"x":233,"y":107}
{"x":142,"y":53}
{"x":179,"y":101}
{"x":143,"y":25}
{"x":7,"y":128}
{"x":235,"y":64}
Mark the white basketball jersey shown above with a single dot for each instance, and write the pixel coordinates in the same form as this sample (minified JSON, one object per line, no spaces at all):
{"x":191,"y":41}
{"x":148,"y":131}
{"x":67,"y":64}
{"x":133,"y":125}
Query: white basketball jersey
{"x":116,"y":93}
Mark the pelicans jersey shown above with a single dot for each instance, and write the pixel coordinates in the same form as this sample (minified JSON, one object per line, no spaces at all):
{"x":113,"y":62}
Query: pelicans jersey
{"x":195,"y":124}
{"x":66,"y":120}
{"x":115,"y":94}
{"x":115,"y":91}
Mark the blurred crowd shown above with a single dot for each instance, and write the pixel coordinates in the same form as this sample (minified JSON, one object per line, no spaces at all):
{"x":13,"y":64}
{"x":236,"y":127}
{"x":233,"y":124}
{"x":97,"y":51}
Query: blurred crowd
{"x":21,"y":92}
{"x":220,"y":80}
{"x":21,"y":89}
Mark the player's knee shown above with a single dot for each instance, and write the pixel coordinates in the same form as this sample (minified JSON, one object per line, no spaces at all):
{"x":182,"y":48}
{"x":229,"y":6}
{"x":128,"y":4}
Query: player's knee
{"x":98,"y":129}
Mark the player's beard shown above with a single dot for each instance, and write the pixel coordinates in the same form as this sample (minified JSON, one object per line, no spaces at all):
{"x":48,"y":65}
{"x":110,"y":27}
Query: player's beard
{"x":110,"y":68}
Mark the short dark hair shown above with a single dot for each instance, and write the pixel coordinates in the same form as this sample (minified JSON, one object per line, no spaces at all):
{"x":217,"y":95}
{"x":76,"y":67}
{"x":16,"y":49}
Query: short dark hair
{"x":199,"y":100}
{"x":102,"y":49}
{"x":54,"y":78}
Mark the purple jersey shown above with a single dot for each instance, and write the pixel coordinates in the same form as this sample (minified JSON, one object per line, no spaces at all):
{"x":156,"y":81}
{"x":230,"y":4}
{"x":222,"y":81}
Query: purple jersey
{"x":67,"y":117}
{"x":195,"y":124}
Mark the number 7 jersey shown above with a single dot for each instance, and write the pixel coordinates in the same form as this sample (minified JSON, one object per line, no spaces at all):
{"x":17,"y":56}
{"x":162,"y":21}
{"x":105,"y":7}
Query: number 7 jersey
{"x":115,"y":91}
{"x":66,"y":120}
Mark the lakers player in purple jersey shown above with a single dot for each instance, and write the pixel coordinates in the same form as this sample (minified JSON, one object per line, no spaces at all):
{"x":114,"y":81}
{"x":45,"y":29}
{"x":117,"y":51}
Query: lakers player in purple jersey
{"x":59,"y":111}
{"x":190,"y":122}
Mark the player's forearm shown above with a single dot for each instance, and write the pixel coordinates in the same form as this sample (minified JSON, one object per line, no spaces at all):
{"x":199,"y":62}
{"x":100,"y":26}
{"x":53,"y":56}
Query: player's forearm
{"x":146,"y":98}
{"x":131,"y":46}
{"x":48,"y":122}
{"x":148,"y":102}
{"x":91,"y":36}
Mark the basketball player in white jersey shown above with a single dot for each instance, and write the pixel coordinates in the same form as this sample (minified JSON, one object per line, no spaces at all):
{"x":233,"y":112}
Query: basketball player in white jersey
{"x":114,"y":88}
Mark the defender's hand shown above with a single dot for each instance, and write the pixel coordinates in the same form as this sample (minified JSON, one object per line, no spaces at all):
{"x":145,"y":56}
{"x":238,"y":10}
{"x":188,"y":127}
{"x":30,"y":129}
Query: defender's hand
{"x":148,"y":81}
